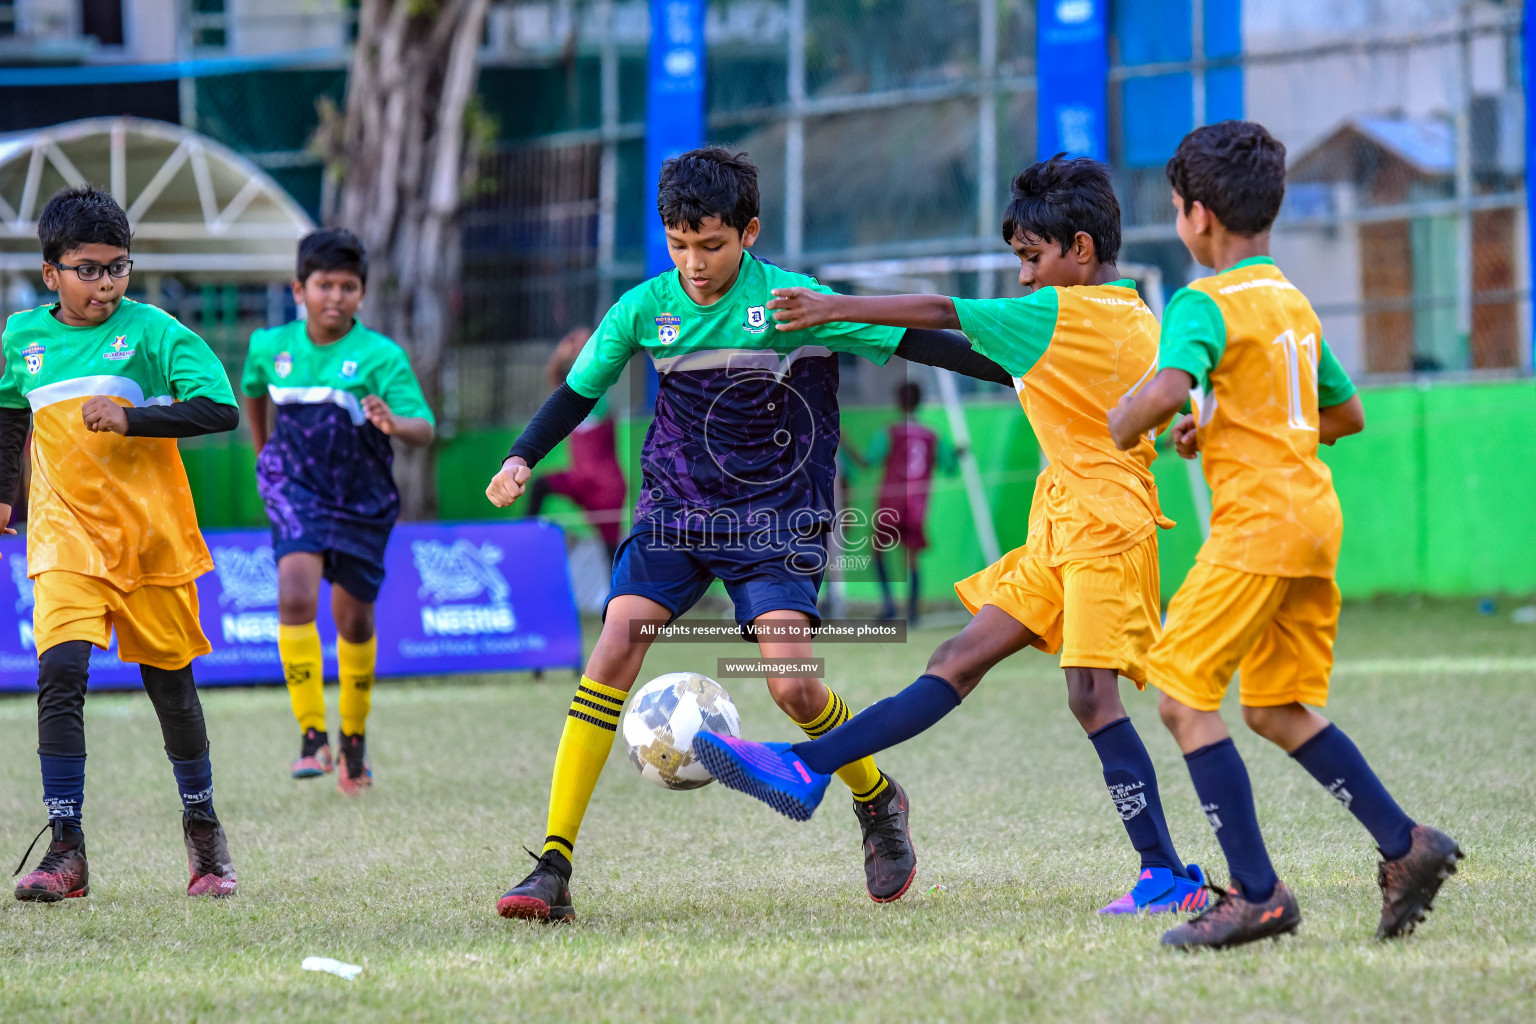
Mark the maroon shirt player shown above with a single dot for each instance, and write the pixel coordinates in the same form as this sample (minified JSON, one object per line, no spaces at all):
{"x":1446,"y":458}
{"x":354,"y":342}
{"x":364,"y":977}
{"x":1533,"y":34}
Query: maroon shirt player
{"x":594,"y":482}
{"x":911,"y":452}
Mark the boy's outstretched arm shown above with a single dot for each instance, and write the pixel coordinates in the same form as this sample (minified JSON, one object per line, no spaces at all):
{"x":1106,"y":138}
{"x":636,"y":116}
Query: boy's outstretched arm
{"x":795,"y":309}
{"x":191,"y":418}
{"x":561,"y":413}
{"x":1141,"y":411}
{"x":1336,"y":421}
{"x":14,"y":424}
{"x":929,"y":320}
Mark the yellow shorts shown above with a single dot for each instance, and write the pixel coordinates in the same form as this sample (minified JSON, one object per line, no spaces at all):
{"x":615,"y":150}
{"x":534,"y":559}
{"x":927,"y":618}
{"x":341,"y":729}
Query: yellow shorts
{"x":155,"y":626}
{"x":1098,"y":612}
{"x":1278,"y":630}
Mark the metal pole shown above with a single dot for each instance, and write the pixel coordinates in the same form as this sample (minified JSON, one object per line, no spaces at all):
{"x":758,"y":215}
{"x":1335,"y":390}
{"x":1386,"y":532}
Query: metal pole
{"x":1197,"y":57}
{"x":1464,"y":239}
{"x":986,"y":140}
{"x":794,"y":139}
{"x":608,"y":168}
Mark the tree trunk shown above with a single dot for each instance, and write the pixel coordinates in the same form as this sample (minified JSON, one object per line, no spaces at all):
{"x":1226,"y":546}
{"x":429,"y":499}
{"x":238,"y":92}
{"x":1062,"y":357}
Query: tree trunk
{"x":397,"y":162}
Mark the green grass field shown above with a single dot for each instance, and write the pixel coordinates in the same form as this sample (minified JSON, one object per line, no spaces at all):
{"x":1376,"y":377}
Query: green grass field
{"x":709,"y":905}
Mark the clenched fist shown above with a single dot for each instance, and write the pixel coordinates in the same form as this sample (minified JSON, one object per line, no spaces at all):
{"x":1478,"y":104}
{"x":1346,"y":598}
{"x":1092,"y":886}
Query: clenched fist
{"x":508,"y":484}
{"x":102,"y":414}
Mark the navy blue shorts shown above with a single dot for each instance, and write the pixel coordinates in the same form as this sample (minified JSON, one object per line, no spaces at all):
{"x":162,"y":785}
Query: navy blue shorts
{"x":675,"y":571}
{"x":358,"y":576}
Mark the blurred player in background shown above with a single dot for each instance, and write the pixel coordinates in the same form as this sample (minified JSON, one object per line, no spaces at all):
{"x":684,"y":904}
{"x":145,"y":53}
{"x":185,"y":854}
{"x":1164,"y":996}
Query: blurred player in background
{"x":736,"y":484}
{"x":113,"y":544}
{"x":908,"y":454}
{"x":1085,"y":583}
{"x":342,"y":393}
{"x":595,"y":482}
{"x":1248,"y":347}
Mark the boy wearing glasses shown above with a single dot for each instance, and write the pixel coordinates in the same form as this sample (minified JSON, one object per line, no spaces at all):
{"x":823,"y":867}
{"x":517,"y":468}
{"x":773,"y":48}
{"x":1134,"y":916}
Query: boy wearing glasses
{"x":112,"y":541}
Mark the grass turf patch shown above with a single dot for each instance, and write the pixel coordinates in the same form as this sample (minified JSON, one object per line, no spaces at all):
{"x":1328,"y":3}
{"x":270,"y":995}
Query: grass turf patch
{"x":708,"y":905}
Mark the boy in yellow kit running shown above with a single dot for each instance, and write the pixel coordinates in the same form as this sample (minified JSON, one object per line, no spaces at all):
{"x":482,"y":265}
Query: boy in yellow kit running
{"x":112,"y":539}
{"x":1247,"y":347}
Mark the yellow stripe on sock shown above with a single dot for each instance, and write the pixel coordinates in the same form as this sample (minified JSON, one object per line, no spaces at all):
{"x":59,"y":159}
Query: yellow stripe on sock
{"x":354,"y":667}
{"x":862,"y":777}
{"x":590,"y":727}
{"x":304,"y":670}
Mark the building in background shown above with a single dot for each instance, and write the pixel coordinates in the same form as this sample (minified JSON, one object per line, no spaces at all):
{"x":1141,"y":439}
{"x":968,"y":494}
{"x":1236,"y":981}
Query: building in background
{"x":885,"y":130}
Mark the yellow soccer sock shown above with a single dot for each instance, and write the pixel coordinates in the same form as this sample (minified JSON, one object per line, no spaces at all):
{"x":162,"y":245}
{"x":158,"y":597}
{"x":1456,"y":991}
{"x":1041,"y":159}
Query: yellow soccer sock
{"x":354,"y":663}
{"x":590,"y":727}
{"x":866,"y":781}
{"x":304,"y":669}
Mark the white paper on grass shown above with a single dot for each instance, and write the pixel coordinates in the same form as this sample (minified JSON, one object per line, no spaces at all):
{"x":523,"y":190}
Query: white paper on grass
{"x":329,"y":966}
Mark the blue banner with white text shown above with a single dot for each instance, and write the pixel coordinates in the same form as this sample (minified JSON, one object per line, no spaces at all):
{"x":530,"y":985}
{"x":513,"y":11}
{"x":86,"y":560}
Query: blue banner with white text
{"x":674,"y":109}
{"x":474,"y":597}
{"x":1072,"y":69}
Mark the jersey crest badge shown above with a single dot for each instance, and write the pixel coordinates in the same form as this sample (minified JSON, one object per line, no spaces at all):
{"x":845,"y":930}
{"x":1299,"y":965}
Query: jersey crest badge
{"x":121,"y":349}
{"x":757,"y":320}
{"x":283,"y":365}
{"x":668,"y":328}
{"x":33,"y":355}
{"x":349,"y":369}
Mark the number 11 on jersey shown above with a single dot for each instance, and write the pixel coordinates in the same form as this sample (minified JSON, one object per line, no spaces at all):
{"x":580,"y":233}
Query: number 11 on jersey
{"x":1293,"y":354}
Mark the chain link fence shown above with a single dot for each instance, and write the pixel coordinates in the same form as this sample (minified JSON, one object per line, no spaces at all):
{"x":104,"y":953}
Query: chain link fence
{"x":894,"y":131}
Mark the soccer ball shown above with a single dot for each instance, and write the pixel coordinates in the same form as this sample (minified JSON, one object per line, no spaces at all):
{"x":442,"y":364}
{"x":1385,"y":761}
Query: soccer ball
{"x":663,"y":718}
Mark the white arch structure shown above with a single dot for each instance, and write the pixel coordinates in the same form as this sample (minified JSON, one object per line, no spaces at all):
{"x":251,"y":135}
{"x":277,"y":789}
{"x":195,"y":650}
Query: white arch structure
{"x":196,"y":206}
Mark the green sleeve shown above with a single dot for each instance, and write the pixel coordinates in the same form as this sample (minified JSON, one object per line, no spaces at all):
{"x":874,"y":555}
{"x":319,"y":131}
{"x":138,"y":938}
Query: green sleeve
{"x":948,"y":456}
{"x":401,"y":390}
{"x":1194,"y":336}
{"x":253,"y":379}
{"x":875,"y":342}
{"x":879,"y":448}
{"x":605,"y":354}
{"x":190,"y":367}
{"x":10,"y":394}
{"x":1333,"y":385}
{"x":1014,"y":333}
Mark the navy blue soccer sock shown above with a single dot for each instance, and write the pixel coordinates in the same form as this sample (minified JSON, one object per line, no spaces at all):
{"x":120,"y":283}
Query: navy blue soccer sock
{"x":883,"y":724}
{"x":63,"y":786}
{"x":194,"y":781}
{"x":1226,"y":797}
{"x":1132,"y":783}
{"x":1333,"y":759}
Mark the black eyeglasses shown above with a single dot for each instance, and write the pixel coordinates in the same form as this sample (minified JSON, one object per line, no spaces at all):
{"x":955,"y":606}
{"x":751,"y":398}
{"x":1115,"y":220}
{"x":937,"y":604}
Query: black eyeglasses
{"x":93,"y":271}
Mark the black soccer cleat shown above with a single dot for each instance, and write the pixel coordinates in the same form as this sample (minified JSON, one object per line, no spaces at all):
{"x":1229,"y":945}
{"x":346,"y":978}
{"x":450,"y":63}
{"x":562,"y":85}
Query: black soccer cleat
{"x":210,"y":870}
{"x":890,"y":863}
{"x":1234,"y":920}
{"x":62,"y":873}
{"x":545,"y":895}
{"x":1409,"y":883}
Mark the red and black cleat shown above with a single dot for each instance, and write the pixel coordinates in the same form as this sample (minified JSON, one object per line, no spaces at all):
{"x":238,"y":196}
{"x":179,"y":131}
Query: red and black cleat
{"x":890,"y":863}
{"x":62,"y":873}
{"x":1409,"y":883}
{"x":354,"y":771}
{"x":545,"y":895}
{"x":1235,"y":920}
{"x":314,"y":757}
{"x":208,"y":861}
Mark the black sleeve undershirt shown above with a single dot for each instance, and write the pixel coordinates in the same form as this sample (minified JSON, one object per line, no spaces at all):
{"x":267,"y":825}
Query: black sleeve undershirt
{"x":14,"y":424}
{"x":950,"y":350}
{"x":194,"y":417}
{"x":561,"y":413}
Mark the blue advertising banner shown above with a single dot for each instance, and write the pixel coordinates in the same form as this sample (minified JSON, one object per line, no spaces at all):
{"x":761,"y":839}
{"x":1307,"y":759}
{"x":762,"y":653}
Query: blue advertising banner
{"x":448,"y":605}
{"x":1072,"y":69}
{"x":674,"y":104}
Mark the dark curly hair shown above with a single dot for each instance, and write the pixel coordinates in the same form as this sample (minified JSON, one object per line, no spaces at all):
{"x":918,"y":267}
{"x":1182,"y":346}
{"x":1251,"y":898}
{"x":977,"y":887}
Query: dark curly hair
{"x":1235,"y":168}
{"x":704,"y":183}
{"x":1056,"y":198}
{"x":78,"y":216}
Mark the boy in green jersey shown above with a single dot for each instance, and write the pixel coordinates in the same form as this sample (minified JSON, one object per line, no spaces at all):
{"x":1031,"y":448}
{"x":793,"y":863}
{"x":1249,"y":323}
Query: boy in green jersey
{"x":112,"y":538}
{"x":736,"y":484}
{"x":342,"y":392}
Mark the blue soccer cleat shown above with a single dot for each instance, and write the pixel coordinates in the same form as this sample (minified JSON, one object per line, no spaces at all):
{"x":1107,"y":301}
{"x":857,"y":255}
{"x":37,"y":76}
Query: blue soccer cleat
{"x":1157,"y":890}
{"x":769,"y":771}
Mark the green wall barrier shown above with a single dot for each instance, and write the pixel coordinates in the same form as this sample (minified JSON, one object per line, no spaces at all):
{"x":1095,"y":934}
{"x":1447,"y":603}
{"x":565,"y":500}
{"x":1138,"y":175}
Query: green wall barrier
{"x":1439,"y":493}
